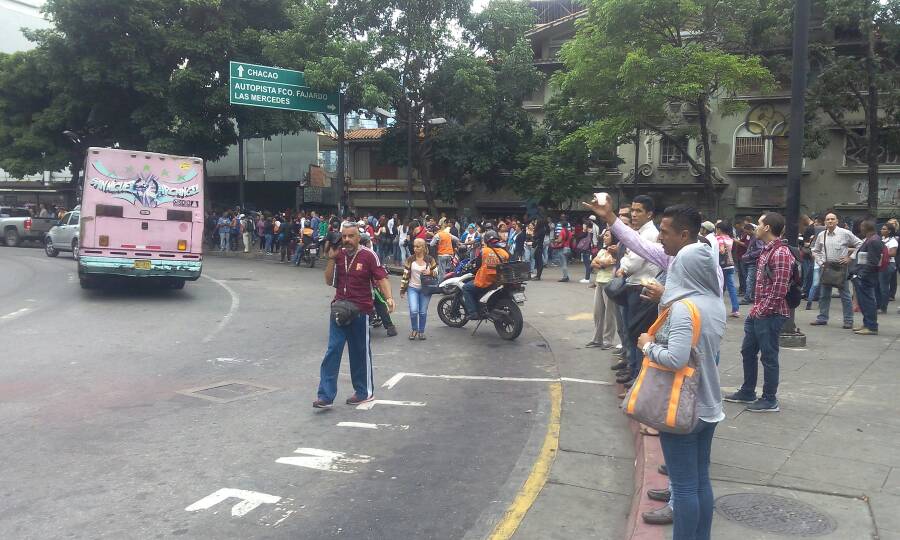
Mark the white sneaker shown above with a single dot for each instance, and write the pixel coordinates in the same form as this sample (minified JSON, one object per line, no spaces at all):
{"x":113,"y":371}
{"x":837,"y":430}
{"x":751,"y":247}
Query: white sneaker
{"x":584,"y":281}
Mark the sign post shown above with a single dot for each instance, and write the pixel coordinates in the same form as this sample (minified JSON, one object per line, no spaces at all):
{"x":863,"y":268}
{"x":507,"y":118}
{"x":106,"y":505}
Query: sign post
{"x":254,"y":85}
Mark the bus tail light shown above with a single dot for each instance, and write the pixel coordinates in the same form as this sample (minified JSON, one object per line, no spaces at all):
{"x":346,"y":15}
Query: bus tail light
{"x":104,"y":240}
{"x":182,"y":245}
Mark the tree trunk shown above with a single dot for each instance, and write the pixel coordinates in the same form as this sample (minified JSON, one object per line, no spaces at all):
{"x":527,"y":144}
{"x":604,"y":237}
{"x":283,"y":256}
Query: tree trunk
{"x":871,"y":119}
{"x":707,"y":157}
{"x":75,"y":182}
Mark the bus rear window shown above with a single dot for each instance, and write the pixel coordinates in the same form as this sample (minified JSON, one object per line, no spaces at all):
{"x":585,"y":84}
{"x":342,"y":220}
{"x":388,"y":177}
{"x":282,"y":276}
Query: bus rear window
{"x":179,"y":215}
{"x":109,"y":210}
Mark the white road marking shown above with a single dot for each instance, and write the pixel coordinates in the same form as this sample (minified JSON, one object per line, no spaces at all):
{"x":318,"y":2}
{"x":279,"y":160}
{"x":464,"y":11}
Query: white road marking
{"x":368,"y":405}
{"x":15,"y":314}
{"x":366,"y":425}
{"x":390,"y":383}
{"x":324,"y":460}
{"x":235,"y":305}
{"x":249,"y":501}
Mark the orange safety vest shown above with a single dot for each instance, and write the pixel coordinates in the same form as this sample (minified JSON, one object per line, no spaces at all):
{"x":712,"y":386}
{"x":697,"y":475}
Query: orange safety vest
{"x":445,"y":244}
{"x":487,"y":272}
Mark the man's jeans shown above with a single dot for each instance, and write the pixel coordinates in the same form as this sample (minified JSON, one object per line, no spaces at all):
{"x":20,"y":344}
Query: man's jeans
{"x":356,"y":336}
{"x":563,"y":258}
{"x":825,"y":303}
{"x":224,"y":239}
{"x":761,"y":338}
{"x":750,"y":286}
{"x":687,"y":460}
{"x":418,"y":309}
{"x":865,"y":294}
{"x":471,"y":294}
{"x":812,"y":295}
{"x":444,"y":262}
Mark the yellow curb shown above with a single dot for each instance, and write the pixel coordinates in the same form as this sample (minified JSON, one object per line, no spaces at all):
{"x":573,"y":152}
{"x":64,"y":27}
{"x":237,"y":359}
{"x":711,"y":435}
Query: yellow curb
{"x":539,"y":472}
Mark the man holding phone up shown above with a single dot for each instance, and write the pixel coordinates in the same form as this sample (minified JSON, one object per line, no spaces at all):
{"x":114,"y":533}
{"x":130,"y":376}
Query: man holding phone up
{"x":351,"y":270}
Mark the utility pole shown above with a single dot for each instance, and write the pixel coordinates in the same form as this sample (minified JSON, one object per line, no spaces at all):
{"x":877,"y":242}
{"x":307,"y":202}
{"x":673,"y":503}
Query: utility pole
{"x":242,"y":177}
{"x":790,"y":335}
{"x":409,"y":164}
{"x":341,"y":166}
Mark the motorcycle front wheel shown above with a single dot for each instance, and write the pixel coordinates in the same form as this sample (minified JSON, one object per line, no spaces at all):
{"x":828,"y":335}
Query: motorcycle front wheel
{"x":451,"y":312}
{"x":510,"y":324}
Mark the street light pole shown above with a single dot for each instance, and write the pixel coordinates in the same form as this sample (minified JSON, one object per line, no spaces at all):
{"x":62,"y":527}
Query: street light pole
{"x":790,"y":336}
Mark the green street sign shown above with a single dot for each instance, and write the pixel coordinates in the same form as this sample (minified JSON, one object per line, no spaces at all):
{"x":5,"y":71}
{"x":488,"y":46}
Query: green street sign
{"x":274,"y":88}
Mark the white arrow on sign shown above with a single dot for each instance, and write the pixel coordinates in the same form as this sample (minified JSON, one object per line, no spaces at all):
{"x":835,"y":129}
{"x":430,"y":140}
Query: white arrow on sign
{"x":240,"y":71}
{"x":324,"y":460}
{"x":250,"y":500}
{"x":331,"y":107}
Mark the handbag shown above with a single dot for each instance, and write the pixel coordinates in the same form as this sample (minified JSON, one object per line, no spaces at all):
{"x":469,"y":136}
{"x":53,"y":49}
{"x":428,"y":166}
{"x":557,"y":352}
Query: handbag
{"x":665,"y":398}
{"x":617,"y":290}
{"x":834,"y":274}
{"x":343,"y":312}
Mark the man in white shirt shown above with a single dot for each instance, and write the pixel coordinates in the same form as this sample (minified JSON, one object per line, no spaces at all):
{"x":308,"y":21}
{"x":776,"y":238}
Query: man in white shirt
{"x":834,"y":246}
{"x":636,"y":269}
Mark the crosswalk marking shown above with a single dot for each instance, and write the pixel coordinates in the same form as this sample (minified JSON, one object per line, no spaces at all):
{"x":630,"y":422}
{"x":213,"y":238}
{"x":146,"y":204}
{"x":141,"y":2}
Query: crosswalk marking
{"x":324,"y":460}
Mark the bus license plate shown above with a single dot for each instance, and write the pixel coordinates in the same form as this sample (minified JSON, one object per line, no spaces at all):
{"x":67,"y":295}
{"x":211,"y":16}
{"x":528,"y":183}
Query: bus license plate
{"x":519,"y":297}
{"x":142,"y":265}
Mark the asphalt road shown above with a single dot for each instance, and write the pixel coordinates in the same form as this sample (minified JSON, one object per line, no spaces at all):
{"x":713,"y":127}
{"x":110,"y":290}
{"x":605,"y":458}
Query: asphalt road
{"x":99,"y":442}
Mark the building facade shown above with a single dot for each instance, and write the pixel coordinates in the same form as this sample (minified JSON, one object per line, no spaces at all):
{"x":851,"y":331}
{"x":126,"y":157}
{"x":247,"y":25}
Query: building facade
{"x":749,"y":150}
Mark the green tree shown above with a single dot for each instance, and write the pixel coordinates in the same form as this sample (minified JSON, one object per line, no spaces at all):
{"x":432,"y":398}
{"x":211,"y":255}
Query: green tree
{"x":146,"y":75}
{"x":857,"y":80}
{"x":632,"y":62}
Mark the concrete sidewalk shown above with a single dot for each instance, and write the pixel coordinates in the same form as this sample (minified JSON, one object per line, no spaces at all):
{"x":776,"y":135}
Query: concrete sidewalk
{"x":826,"y":464}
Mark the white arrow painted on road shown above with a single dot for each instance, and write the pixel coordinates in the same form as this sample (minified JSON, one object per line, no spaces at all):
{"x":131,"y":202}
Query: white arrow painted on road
{"x":240,"y":71}
{"x":324,"y":460}
{"x":250,"y":500}
{"x":369,"y":404}
{"x":365,"y":425}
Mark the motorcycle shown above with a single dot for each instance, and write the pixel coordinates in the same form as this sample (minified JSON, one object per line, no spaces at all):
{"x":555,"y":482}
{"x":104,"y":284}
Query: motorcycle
{"x":500,"y":304}
{"x":310,"y":252}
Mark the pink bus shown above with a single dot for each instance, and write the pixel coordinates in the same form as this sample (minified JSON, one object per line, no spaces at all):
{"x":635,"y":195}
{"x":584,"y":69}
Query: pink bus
{"x":141,"y":216}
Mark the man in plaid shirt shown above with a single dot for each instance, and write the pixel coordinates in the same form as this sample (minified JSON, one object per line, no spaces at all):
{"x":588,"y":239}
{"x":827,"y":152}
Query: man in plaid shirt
{"x":770,"y":311}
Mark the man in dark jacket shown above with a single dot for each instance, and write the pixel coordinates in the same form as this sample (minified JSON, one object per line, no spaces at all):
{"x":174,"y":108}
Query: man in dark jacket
{"x":865,"y":277}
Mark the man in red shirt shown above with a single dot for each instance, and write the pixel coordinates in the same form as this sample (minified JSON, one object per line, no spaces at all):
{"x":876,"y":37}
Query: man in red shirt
{"x":351,"y":270}
{"x":769,"y":313}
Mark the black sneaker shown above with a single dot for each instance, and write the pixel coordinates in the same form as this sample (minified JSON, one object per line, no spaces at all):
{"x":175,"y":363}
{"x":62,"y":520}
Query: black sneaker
{"x":391,"y":331}
{"x":322,"y":404}
{"x":764,"y":405}
{"x":740,"y":397}
{"x":621,"y":364}
{"x":563,"y":280}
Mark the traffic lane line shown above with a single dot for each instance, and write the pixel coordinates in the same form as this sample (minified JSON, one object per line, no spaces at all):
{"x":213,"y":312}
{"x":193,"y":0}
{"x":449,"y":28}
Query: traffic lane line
{"x":540,"y":472}
{"x":235,"y":305}
{"x":15,"y":314}
{"x":392,"y":382}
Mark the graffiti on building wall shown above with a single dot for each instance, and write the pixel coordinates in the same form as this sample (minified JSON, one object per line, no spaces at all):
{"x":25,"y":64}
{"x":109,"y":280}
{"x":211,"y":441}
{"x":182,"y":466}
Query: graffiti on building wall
{"x":888,"y":190}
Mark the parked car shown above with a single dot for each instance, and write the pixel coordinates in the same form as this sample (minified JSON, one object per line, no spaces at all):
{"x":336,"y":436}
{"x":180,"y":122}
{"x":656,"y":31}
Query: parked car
{"x":64,"y":236}
{"x":18,"y":226}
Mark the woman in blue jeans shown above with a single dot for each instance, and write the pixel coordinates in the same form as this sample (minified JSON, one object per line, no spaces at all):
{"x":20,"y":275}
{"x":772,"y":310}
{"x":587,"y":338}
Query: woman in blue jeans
{"x":726,"y":261}
{"x":417,"y":265}
{"x":692,"y":278}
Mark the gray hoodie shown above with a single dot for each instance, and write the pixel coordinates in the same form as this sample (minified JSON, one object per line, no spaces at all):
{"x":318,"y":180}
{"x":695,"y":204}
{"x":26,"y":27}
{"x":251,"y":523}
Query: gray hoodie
{"x":692,"y":276}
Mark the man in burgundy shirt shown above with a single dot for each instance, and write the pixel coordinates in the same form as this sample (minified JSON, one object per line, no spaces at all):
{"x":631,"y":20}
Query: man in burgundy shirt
{"x":351,"y":270}
{"x":770,"y":311}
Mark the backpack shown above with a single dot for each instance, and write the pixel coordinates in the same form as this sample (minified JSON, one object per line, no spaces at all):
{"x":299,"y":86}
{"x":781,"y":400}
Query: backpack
{"x":885,"y":258}
{"x":794,"y":294}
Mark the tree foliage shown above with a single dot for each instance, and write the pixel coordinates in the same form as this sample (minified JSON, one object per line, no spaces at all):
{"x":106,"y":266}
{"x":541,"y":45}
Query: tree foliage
{"x":148,"y":75}
{"x":857,"y":78}
{"x":643,"y":64}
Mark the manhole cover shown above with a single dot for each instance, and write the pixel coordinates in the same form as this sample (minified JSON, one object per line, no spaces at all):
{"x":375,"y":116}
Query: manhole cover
{"x":774,"y":514}
{"x":227,"y":391}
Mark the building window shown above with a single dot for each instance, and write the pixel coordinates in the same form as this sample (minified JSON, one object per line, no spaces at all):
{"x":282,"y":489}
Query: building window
{"x":669,"y":154}
{"x":780,"y":151}
{"x":749,"y":146}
